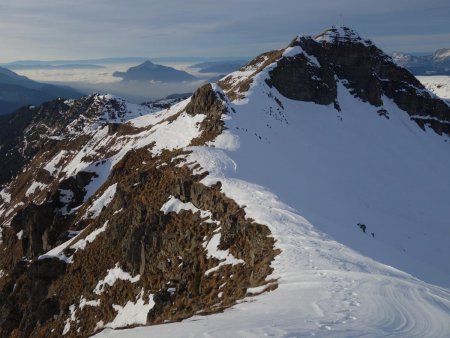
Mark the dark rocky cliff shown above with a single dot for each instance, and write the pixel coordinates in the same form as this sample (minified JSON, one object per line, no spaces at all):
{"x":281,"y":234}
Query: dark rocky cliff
{"x":340,"y":54}
{"x":367,"y":71}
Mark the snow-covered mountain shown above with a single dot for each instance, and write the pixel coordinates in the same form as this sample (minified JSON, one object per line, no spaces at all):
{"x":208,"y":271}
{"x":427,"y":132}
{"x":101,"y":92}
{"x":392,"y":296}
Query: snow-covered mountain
{"x":438,"y":85}
{"x":442,"y":56}
{"x":305,"y":194}
{"x":437,"y":63}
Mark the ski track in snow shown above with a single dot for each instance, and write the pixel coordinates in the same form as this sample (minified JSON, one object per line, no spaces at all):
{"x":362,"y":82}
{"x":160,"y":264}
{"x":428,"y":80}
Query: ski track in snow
{"x":325,"y":288}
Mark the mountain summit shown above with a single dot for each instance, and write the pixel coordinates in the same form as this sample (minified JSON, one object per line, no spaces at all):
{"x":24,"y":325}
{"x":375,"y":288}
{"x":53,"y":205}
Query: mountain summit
{"x":308,"y":70}
{"x":307,"y":190}
{"x":149,"y":71}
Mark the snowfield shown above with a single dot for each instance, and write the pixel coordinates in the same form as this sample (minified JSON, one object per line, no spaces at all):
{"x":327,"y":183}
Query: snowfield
{"x":437,"y":84}
{"x":312,"y":174}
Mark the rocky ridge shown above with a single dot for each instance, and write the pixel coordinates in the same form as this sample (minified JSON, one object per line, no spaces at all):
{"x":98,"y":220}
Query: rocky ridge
{"x":109,"y":215}
{"x":199,"y":257}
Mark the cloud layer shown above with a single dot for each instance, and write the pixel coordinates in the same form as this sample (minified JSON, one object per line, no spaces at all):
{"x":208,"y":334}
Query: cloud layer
{"x":62,"y":29}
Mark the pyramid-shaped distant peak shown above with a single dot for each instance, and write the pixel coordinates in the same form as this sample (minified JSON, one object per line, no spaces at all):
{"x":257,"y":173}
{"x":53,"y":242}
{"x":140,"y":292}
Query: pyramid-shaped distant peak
{"x":146,"y":64}
{"x":149,"y":71}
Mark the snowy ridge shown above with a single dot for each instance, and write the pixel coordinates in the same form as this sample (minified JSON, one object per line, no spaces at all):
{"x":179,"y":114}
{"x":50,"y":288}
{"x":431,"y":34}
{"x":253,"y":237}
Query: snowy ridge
{"x":341,"y":34}
{"x":154,"y":129}
{"x":355,"y":196}
{"x":159,"y":132}
{"x":327,"y":289}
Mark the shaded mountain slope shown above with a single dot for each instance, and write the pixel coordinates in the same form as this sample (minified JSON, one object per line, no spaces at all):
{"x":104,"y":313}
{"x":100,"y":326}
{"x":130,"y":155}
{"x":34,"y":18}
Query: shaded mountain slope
{"x":17,"y":91}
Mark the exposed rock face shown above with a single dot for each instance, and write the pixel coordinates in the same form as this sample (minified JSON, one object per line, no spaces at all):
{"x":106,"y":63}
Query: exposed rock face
{"x":372,"y":74}
{"x":310,"y":68}
{"x":21,"y":142}
{"x":299,"y":78}
{"x":29,"y":128}
{"x":235,"y":84}
{"x":313,"y":89}
{"x":168,"y":260}
{"x":205,"y":99}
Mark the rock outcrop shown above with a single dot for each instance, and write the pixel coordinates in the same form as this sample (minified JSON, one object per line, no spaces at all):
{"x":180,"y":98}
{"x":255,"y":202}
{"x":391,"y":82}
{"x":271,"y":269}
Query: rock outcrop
{"x":77,"y":257}
{"x":310,"y":68}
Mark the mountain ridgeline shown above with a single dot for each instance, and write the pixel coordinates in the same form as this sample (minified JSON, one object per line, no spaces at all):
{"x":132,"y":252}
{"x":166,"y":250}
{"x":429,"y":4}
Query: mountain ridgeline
{"x":218,"y":67}
{"x":310,"y":75}
{"x":107,"y":221}
{"x":17,"y":91}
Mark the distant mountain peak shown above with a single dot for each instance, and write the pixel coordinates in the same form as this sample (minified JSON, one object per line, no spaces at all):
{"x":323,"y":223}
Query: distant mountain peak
{"x":149,"y":71}
{"x":146,"y":63}
{"x":437,"y":63}
{"x":442,"y":55}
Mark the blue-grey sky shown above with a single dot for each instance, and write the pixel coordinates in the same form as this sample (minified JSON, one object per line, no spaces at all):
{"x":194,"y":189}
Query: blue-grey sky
{"x":75,"y":29}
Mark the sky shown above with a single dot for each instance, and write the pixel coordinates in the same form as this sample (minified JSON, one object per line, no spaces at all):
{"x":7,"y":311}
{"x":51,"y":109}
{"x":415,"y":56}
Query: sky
{"x":62,"y":29}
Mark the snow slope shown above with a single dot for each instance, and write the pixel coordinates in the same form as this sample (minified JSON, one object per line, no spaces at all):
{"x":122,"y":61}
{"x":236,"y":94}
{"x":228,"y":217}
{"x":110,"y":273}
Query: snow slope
{"x":341,"y":169}
{"x":439,"y":85}
{"x":312,"y":174}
